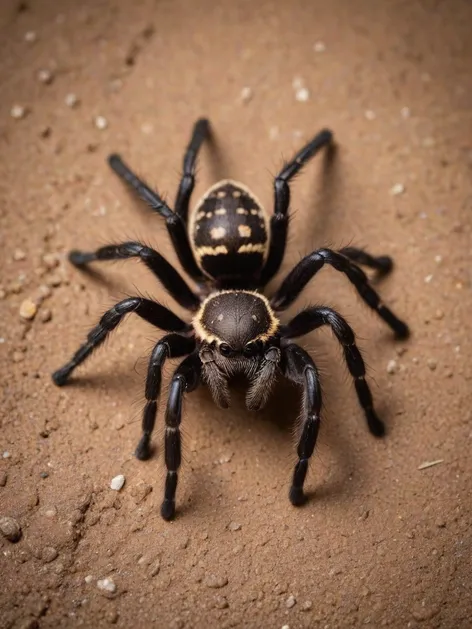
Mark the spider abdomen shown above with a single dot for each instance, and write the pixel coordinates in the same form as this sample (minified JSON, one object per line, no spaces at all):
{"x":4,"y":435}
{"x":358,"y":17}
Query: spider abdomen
{"x":228,"y":232}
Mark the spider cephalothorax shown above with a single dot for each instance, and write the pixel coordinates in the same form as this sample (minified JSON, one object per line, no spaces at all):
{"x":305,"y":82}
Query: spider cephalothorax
{"x":231,"y":250}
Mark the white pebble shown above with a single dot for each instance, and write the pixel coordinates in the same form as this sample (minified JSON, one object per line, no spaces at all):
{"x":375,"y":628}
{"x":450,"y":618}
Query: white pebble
{"x":302,"y":95}
{"x":106,"y":585}
{"x":45,"y":76}
{"x":117,"y":482}
{"x":397,"y":189}
{"x":6,"y":455}
{"x":246,"y":94}
{"x":392,"y":366}
{"x":147,"y":128}
{"x":319,"y":46}
{"x":18,"y":112}
{"x":405,"y":112}
{"x":369,"y":114}
{"x":428,"y":278}
{"x":285,"y":626}
{"x":31,"y":37}
{"x":274,"y":133}
{"x":71,"y":100}
{"x":88,"y":578}
{"x":438,"y":259}
{"x":101,"y":122}
{"x":290,"y":602}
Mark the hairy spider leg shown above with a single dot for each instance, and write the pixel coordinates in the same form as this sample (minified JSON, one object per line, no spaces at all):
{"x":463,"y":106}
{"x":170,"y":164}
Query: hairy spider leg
{"x":313,"y":318}
{"x":307,"y":268}
{"x":148,"y":310}
{"x":175,"y":225}
{"x":170,"y":346}
{"x":185,"y":379}
{"x":157,"y":264}
{"x":280,"y":218}
{"x":200,"y":133}
{"x":300,"y":369}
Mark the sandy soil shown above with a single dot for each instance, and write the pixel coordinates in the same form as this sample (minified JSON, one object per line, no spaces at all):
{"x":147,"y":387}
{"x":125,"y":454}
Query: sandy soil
{"x":384,"y":540}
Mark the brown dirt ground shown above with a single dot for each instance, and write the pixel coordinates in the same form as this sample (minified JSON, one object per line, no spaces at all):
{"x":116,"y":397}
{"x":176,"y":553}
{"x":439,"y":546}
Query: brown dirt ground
{"x":382,"y":542}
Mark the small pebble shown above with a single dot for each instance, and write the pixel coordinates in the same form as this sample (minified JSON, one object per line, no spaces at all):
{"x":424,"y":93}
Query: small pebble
{"x":319,"y":46}
{"x":215,"y":581}
{"x":392,"y":366}
{"x":302,"y":95}
{"x":428,"y":278}
{"x":18,"y":112}
{"x":117,"y":482}
{"x":6,"y":455}
{"x":30,"y":37}
{"x":51,"y":513}
{"x":274,"y":133}
{"x":71,"y":100}
{"x":107,"y":585}
{"x":45,"y":76}
{"x":405,"y":112}
{"x":438,"y":259}
{"x":432,"y":364}
{"x":48,"y":554}
{"x":28,"y":309}
{"x":3,"y":479}
{"x":19,"y":255}
{"x":45,"y":132}
{"x":221,"y":602}
{"x":397,"y":189}
{"x":46,"y":315}
{"x":307,"y":605}
{"x":290,"y":602}
{"x":234,"y":526}
{"x":369,"y":114}
{"x":285,"y":626}
{"x":10,"y":528}
{"x":246,"y":94}
{"x":88,"y":579}
{"x":101,"y":122}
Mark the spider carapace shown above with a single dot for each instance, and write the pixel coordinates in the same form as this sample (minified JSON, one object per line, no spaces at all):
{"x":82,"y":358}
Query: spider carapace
{"x":231,"y":249}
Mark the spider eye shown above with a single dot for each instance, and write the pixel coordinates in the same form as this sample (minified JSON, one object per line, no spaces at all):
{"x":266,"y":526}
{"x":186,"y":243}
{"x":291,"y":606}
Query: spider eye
{"x":225,"y":349}
{"x":251,"y":349}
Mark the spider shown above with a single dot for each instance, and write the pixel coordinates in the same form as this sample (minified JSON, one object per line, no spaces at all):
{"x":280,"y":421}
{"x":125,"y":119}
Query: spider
{"x":231,"y":249}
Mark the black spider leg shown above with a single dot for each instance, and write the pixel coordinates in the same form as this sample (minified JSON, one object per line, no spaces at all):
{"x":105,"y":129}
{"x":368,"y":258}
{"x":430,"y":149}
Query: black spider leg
{"x":280,"y":218}
{"x":170,"y":346}
{"x":175,"y":225}
{"x":201,"y":131}
{"x":300,"y":368}
{"x":150,"y":311}
{"x":382,"y":264}
{"x":313,"y":318}
{"x":302,"y":273}
{"x":185,"y":379}
{"x":163,"y":270}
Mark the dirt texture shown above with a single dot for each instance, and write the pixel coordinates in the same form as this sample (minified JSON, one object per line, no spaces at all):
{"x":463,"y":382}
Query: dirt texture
{"x":385,"y":539}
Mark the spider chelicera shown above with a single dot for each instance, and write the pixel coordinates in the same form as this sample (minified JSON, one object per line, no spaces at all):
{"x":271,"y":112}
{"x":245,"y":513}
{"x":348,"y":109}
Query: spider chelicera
{"x":231,"y":249}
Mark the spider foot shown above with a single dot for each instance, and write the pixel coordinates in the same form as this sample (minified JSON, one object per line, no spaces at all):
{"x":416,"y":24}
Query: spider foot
{"x":297,"y":496}
{"x":376,"y":425}
{"x":79,"y":258}
{"x":61,"y":376}
{"x":168,"y":510}
{"x":143,"y":451}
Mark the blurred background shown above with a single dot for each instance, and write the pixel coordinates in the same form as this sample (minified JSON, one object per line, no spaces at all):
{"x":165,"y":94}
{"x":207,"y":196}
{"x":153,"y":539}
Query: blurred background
{"x":385,"y":539}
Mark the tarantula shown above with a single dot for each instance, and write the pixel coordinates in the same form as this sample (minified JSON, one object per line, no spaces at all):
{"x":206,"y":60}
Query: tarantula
{"x":231,"y":249}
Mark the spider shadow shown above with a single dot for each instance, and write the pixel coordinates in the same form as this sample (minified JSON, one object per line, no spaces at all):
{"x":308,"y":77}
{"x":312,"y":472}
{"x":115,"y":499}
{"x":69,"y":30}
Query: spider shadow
{"x":277,"y":425}
{"x":218,"y":162}
{"x":100,"y":278}
{"x":324,"y":194}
